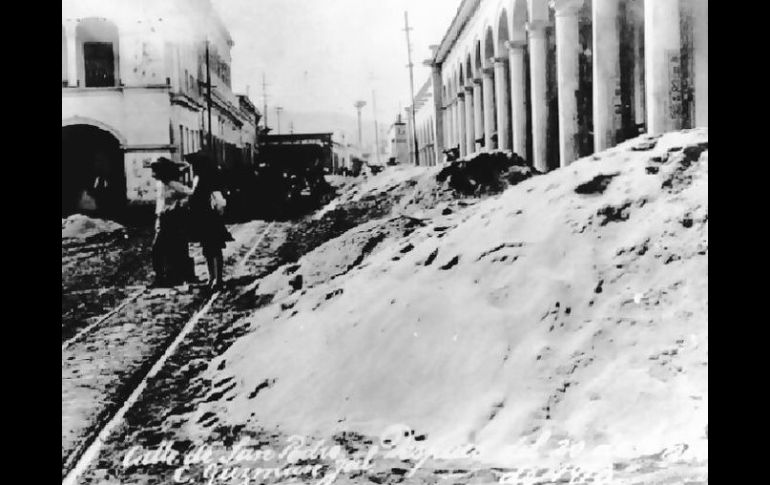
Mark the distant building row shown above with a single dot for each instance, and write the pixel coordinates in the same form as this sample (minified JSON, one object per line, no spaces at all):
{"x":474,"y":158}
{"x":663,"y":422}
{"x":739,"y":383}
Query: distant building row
{"x":134,"y":88}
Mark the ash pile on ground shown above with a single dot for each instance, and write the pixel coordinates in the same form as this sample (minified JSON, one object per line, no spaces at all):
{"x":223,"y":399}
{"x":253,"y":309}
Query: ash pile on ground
{"x":80,"y":227}
{"x":415,"y":193}
{"x":570,"y":307}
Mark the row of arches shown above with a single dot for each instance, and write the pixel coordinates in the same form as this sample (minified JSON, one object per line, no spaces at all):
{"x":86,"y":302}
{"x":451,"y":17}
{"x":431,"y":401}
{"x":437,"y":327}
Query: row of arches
{"x":554,"y":81}
{"x":426,"y":141}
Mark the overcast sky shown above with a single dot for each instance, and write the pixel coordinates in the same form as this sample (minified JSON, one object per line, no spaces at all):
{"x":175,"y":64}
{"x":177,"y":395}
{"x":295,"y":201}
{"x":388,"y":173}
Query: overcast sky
{"x":323,"y":55}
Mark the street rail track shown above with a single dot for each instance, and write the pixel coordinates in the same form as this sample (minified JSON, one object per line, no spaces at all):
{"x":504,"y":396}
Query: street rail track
{"x":89,"y":328}
{"x":87,"y":451}
{"x":139,"y":290}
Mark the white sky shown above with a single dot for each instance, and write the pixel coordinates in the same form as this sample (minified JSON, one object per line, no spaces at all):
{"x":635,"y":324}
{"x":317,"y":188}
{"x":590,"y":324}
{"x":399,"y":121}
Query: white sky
{"x":323,"y":55}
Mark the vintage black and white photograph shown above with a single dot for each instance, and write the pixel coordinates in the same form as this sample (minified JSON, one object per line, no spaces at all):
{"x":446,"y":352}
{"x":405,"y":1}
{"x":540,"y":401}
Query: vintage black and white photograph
{"x":356,"y":242}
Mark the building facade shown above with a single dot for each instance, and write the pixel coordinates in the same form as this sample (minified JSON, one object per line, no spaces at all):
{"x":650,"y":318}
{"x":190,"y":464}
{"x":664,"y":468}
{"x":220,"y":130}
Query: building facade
{"x":424,"y":119}
{"x":556,"y":80}
{"x":398,"y":142}
{"x":134,"y":88}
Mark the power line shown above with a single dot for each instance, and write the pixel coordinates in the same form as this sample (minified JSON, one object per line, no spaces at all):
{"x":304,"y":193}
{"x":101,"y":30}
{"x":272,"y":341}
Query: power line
{"x":411,"y":85}
{"x":278,"y":110}
{"x":358,"y":105}
{"x":376,"y":128}
{"x":264,"y":98}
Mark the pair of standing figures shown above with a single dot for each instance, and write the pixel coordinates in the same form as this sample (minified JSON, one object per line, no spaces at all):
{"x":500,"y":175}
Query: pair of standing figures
{"x":187,"y":215}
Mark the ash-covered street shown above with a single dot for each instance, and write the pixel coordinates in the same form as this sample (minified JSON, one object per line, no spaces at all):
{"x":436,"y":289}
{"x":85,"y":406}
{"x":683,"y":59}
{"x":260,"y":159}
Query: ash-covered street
{"x":211,"y":358}
{"x":112,"y":334}
{"x":355,"y":242}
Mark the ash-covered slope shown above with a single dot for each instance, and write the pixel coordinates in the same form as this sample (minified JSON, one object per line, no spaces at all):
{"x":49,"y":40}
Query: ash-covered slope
{"x":571,"y":306}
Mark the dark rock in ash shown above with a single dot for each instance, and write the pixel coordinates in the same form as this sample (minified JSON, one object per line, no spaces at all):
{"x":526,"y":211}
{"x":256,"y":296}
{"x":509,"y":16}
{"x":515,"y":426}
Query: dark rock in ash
{"x":596,"y":185}
{"x":486,"y":173}
{"x":296,"y":282}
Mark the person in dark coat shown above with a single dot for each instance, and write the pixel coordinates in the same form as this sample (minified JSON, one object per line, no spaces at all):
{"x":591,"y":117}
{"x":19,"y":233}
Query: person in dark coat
{"x":171,"y":259}
{"x":207,"y":225}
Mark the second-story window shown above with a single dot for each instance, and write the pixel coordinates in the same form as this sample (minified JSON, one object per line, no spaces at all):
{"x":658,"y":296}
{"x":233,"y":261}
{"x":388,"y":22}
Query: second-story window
{"x":99,"y":63}
{"x":97,"y":48}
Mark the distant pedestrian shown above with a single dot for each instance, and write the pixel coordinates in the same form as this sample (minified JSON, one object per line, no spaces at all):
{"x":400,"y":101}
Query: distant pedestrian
{"x":207,"y":215}
{"x":171,"y":259}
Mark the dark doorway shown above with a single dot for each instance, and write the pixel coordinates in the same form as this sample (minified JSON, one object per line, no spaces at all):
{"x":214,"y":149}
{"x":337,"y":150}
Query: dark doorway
{"x":93,"y":175}
{"x":99,"y":62}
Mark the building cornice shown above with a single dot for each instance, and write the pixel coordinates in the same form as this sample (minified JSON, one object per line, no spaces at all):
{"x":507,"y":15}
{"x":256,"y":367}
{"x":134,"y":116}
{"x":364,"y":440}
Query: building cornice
{"x":186,"y":101}
{"x":465,"y":12}
{"x":150,"y":148}
{"x":116,"y":89}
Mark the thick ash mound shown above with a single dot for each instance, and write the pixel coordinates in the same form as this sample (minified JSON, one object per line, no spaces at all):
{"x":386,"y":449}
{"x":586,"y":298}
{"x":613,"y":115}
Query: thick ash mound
{"x":573,"y":305}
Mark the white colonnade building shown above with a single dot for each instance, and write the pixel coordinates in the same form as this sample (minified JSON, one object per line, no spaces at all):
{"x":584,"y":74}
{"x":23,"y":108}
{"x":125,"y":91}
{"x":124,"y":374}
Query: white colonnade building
{"x":557,"y":80}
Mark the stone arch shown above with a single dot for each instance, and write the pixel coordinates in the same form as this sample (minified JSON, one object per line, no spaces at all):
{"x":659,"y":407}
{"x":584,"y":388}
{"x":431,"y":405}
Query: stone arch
{"x":456,"y":108}
{"x":82,"y":120}
{"x":503,"y":83}
{"x":458,"y":78}
{"x":539,"y":10}
{"x":93,"y":170}
{"x":97,"y":43}
{"x":469,"y":68}
{"x":444,"y":113}
{"x":489,"y":91}
{"x":519,"y":19}
{"x":433,"y":141}
{"x":520,"y":78}
{"x":489,"y":43}
{"x":450,"y":111}
{"x":419,"y":137}
{"x":503,"y":33}
{"x":460,"y":111}
{"x":478,"y":62}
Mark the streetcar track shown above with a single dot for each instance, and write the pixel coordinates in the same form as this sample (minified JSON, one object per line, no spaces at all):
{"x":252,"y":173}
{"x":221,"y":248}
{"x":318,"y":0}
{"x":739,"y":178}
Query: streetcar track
{"x":248,"y":255}
{"x":97,"y":441}
{"x":89,"y":448}
{"x":103,"y":318}
{"x":101,"y":290}
{"x":140,"y":289}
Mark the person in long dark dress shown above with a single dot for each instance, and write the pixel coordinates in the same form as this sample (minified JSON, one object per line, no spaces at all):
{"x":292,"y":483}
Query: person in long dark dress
{"x":207,"y":222}
{"x":170,"y":252}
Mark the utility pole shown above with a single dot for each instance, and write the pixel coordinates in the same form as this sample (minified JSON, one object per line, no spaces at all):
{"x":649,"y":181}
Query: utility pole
{"x":291,"y":127}
{"x":264,"y":99}
{"x":376,"y":128}
{"x":278,"y":110}
{"x":208,"y":100}
{"x":359,"y":105}
{"x":411,"y":85}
